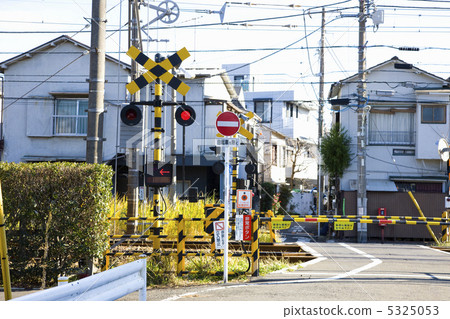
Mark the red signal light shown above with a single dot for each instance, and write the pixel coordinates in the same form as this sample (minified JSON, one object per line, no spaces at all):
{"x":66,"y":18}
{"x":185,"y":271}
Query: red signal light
{"x":185,"y":115}
{"x":131,"y":115}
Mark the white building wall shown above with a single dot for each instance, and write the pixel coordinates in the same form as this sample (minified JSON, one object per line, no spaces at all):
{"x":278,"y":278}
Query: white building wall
{"x":27,"y":131}
{"x":381,"y":164}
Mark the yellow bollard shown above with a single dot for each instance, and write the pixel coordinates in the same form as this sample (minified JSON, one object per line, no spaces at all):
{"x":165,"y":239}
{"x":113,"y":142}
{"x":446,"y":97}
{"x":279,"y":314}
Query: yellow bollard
{"x":271,"y":230}
{"x":4,"y":252}
{"x":421,"y":214}
{"x":445,"y":229}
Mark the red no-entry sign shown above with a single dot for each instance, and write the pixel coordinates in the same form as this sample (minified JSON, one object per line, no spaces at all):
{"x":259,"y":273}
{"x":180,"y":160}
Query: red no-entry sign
{"x":227,"y":123}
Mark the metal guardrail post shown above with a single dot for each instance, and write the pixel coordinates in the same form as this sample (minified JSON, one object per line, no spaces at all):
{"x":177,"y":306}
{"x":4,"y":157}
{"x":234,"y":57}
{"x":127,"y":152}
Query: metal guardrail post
{"x":255,"y":246}
{"x":181,"y":246}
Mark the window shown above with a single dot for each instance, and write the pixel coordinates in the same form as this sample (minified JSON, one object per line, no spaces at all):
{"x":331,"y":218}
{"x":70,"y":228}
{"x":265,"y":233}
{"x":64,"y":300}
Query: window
{"x":70,"y":117}
{"x":263,"y":108}
{"x":391,"y":128}
{"x":403,"y":152}
{"x":419,"y":187}
{"x":433,"y":114}
{"x":274,"y":155}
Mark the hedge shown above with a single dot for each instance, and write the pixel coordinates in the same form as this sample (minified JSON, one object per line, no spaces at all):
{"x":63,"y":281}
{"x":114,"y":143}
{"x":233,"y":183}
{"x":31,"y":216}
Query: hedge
{"x":56,"y":216}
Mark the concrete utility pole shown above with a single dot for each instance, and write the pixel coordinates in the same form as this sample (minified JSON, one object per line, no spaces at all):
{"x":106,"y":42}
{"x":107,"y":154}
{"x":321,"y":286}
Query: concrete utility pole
{"x":320,"y":124}
{"x":94,"y":139}
{"x":133,"y":153}
{"x":361,"y":136}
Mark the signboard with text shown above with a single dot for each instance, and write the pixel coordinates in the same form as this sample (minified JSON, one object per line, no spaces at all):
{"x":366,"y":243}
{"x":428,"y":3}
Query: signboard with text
{"x":247,"y":233}
{"x":219,"y":234}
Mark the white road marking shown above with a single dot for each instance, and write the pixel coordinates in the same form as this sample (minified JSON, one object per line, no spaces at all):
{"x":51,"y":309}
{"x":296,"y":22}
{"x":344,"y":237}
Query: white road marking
{"x":375,"y":262}
{"x":444,"y":252}
{"x":392,"y":275}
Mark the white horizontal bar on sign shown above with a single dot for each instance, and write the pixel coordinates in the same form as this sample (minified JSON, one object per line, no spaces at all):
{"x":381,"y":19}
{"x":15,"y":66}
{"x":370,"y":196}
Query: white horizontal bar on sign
{"x":227,"y":124}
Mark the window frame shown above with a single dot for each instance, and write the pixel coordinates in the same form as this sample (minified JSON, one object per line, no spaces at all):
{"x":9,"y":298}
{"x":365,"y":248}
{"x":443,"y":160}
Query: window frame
{"x":433,"y":107}
{"x":78,"y":116}
{"x":269,"y":101}
{"x":391,"y":111}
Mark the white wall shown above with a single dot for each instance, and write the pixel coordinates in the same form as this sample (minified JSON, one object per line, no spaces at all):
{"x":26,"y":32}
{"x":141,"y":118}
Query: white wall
{"x":28,"y":132}
{"x":380,"y":161}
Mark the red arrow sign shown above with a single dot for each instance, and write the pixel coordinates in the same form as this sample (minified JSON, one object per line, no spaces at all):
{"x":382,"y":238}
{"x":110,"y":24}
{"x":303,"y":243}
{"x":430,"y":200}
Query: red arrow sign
{"x":227,"y":123}
{"x":164,"y":172}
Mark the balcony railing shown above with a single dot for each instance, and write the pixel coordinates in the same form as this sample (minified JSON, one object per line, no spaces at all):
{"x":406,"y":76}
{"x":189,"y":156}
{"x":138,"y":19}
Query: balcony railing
{"x":392,"y":138}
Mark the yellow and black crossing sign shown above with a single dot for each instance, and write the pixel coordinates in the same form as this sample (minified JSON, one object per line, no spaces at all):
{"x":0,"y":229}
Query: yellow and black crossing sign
{"x":158,"y":70}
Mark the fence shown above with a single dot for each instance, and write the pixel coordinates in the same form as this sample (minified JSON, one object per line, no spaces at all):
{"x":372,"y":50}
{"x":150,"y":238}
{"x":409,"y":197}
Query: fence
{"x":106,"y":286}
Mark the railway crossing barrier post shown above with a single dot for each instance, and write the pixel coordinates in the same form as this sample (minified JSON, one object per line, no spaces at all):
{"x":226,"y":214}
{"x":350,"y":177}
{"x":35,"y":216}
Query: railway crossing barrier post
{"x":445,"y":229}
{"x":255,"y":246}
{"x":181,"y":246}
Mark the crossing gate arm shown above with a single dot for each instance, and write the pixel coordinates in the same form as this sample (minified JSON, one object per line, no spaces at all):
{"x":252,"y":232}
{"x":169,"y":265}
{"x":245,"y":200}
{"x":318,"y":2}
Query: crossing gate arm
{"x":105,"y":286}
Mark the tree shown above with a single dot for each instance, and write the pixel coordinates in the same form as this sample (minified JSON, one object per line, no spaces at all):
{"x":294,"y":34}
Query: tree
{"x":336,"y":154}
{"x":300,"y":149}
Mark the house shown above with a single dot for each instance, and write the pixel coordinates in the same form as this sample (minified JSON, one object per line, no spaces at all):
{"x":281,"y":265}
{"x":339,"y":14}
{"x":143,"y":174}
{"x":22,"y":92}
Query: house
{"x":46,"y":98}
{"x":45,"y":119}
{"x":407,"y":113}
{"x":294,"y":119}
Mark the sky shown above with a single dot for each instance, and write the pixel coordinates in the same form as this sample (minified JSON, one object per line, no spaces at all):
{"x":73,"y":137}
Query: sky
{"x":280,"y":41}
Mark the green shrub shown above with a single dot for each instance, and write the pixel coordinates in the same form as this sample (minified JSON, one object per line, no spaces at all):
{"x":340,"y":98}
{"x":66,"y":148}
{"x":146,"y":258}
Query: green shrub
{"x":55,"y":217}
{"x":267,"y":192}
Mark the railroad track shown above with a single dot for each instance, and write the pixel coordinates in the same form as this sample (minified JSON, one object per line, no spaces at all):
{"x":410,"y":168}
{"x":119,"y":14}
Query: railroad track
{"x":293,"y":252}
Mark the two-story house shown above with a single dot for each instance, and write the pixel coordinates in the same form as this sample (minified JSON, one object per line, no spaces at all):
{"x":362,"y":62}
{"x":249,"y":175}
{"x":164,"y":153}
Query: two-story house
{"x":46,"y":98}
{"x":44,"y":114}
{"x":284,"y":117}
{"x":406,"y":113}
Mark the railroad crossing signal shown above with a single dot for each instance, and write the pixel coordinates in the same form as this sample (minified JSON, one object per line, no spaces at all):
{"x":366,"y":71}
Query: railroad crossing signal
{"x":158,"y":70}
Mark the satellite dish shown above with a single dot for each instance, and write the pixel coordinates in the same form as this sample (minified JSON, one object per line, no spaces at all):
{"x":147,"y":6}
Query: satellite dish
{"x":443,"y":149}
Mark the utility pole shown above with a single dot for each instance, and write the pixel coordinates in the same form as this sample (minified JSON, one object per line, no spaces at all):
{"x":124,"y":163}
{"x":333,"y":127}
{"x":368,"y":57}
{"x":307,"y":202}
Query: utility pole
{"x":320,"y":124}
{"x":133,"y":153}
{"x":94,"y":138}
{"x":361,"y":136}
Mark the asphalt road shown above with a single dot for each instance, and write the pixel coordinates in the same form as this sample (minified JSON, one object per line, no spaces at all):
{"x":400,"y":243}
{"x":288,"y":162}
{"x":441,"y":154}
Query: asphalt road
{"x":342,"y":271}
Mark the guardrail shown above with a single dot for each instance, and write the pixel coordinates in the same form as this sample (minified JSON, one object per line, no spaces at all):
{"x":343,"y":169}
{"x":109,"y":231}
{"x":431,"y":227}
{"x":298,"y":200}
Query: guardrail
{"x":106,"y":286}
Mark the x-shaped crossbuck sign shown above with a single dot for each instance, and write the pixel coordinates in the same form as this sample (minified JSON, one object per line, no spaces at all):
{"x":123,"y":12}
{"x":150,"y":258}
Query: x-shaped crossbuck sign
{"x":158,"y":70}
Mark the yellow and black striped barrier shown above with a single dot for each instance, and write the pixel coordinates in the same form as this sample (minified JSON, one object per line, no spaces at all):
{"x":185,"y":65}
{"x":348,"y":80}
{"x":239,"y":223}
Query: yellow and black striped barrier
{"x":445,"y":228}
{"x":255,"y":245}
{"x":357,"y":220}
{"x":181,"y":246}
{"x":373,"y":217}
